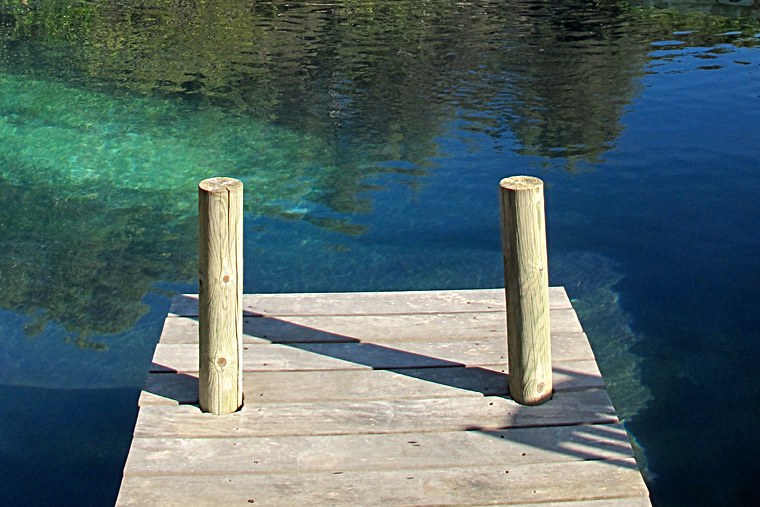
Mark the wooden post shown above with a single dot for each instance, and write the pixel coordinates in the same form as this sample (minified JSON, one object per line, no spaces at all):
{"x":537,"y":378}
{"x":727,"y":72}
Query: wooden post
{"x":526,"y":282}
{"x":220,"y":295}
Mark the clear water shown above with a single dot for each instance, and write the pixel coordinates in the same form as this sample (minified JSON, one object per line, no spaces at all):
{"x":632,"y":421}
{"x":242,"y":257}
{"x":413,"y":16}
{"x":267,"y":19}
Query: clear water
{"x":371,"y":137}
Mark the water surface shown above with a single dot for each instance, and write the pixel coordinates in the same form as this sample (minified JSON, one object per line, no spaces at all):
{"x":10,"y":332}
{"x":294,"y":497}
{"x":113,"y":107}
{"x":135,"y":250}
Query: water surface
{"x":371,"y":137}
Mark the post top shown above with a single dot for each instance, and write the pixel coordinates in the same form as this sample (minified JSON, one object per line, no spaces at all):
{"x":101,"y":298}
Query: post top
{"x":521,"y":183}
{"x":218,"y":183}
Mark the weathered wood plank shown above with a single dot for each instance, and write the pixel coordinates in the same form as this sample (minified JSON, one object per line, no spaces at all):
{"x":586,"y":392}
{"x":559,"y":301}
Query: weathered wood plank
{"x":324,"y":356}
{"x":354,"y":355}
{"x":375,"y":328}
{"x":640,"y":501}
{"x":335,"y":385}
{"x":408,"y":451}
{"x":552,"y":482}
{"x":337,"y":432}
{"x":371,"y":303}
{"x":375,"y":416}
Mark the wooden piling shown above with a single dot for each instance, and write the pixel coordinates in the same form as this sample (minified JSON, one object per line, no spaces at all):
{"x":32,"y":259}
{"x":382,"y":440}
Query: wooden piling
{"x":526,"y":282}
{"x":220,"y":295}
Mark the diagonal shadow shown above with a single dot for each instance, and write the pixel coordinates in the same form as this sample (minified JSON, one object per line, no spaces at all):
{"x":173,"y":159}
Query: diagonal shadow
{"x":169,"y":387}
{"x":455,"y":374}
{"x":377,"y":357}
{"x":585,"y":442}
{"x":609,"y":442}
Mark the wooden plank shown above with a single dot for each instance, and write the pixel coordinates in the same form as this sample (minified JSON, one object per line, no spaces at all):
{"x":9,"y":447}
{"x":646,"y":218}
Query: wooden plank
{"x":640,"y":501}
{"x":267,"y":455}
{"x":552,"y":482}
{"x":370,"y":303}
{"x":354,"y":355}
{"x":336,"y":385}
{"x":375,"y":416}
{"x":375,"y":328}
{"x":325,"y":356}
{"x":320,"y":426}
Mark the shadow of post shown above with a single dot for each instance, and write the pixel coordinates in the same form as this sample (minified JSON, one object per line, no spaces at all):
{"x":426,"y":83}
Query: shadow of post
{"x":607,"y":441}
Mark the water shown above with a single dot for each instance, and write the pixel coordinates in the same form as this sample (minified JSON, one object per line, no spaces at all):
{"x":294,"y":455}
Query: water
{"x":371,"y":137}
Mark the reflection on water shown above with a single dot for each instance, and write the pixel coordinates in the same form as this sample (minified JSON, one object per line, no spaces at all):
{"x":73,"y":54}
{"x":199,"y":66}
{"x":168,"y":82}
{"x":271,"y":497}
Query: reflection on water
{"x":369,"y":136}
{"x":736,"y":8}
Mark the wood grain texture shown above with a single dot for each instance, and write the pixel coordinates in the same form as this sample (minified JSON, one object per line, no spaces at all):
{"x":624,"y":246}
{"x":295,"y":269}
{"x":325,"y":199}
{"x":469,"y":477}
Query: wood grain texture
{"x":370,"y":303}
{"x":375,"y":416}
{"x":220,"y":294}
{"x":526,"y":282}
{"x":362,"y":355}
{"x":639,"y":501}
{"x":328,"y":421}
{"x":268,"y":455}
{"x":545,"y":482}
{"x":337,"y":385}
{"x":371,"y":328}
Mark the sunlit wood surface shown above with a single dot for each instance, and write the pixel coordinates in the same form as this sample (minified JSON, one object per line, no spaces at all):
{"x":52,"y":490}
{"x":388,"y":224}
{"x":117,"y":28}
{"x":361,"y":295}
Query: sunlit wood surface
{"x":378,"y":399}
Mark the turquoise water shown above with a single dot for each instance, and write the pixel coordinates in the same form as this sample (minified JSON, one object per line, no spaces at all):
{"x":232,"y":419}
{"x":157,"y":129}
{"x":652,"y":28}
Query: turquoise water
{"x":371,"y":137}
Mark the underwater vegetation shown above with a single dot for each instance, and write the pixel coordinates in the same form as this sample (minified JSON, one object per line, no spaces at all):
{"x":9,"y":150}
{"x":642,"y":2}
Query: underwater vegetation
{"x":589,"y":279}
{"x":100,"y":194}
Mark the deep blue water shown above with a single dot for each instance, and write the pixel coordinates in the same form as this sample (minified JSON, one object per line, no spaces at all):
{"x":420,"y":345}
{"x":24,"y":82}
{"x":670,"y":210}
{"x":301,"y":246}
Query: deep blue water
{"x":371,"y":151}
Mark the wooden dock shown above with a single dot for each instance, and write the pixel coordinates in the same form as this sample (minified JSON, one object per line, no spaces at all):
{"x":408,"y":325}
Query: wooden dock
{"x":363,"y":399}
